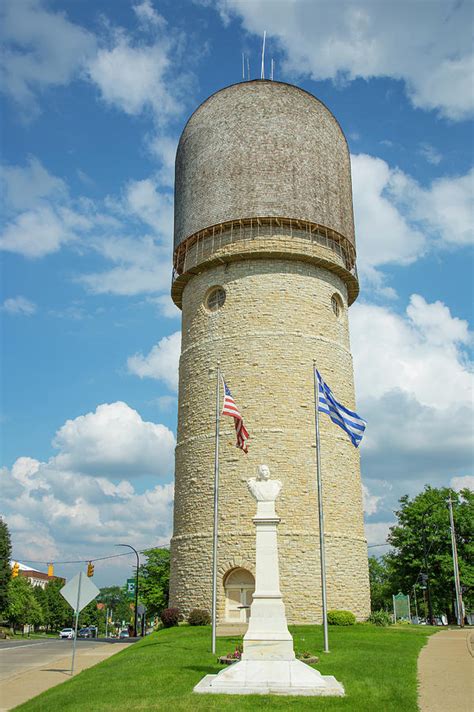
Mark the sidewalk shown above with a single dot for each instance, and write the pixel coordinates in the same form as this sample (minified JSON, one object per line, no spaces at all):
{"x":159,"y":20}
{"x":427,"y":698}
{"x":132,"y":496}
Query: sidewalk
{"x":446,"y":672}
{"x":28,"y":684}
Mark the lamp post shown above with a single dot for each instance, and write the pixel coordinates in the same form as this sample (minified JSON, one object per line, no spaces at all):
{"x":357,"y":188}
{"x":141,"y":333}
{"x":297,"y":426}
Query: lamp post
{"x":135,"y":627}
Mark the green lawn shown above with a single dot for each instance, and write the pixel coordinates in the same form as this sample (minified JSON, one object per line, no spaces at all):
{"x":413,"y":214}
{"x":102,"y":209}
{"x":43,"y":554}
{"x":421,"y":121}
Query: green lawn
{"x":377,"y":667}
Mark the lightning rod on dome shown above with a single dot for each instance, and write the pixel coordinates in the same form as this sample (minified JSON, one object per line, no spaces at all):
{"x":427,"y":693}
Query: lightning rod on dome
{"x":262,"y":73}
{"x":248,"y":68}
{"x":272,"y":68}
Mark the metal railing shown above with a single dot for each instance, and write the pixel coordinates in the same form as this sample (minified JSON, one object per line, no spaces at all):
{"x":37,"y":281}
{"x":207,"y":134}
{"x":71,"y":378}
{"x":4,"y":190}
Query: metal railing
{"x":199,"y":247}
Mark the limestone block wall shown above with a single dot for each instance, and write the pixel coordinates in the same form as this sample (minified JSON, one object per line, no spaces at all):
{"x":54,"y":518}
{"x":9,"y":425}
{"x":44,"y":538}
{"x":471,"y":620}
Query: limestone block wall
{"x":276,"y":319}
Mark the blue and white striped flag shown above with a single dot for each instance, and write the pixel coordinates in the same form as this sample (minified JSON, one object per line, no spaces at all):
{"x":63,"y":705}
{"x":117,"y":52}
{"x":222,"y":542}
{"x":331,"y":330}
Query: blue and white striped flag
{"x":350,"y":422}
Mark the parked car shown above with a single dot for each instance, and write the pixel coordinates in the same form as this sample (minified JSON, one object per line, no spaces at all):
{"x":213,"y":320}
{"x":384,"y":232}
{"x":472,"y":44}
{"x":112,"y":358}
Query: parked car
{"x":124,"y":634}
{"x":85,"y":633}
{"x":67,"y":633}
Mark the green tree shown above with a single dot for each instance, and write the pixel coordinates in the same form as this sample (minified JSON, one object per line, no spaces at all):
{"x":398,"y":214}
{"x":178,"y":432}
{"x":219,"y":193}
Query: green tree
{"x":428,"y":513}
{"x":380,"y":588}
{"x":116,"y":600}
{"x":59,"y":613}
{"x":23,"y":606}
{"x":154,"y":578}
{"x":5,"y":570}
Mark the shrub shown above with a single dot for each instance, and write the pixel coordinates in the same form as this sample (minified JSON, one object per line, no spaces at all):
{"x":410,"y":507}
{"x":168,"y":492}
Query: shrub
{"x":381,"y":618}
{"x":170,"y":617}
{"x":341,"y":618}
{"x":199,"y":617}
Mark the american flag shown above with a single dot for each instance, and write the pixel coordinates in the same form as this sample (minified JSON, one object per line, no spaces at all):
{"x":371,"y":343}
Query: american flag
{"x":229,"y":408}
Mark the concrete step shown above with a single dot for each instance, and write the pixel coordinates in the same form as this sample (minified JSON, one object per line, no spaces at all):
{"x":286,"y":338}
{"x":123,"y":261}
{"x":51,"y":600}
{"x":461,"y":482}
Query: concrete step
{"x":227,"y":630}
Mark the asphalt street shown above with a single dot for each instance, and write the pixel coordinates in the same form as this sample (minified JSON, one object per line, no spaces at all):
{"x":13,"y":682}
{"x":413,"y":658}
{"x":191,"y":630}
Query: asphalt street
{"x":17,"y":656}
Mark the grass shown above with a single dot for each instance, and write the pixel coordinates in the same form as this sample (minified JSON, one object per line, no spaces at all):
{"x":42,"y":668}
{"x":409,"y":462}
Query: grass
{"x":377,"y":667}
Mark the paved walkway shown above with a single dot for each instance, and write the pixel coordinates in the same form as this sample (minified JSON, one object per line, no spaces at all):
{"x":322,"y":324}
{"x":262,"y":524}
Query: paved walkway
{"x":446,"y":672}
{"x":26,"y":684}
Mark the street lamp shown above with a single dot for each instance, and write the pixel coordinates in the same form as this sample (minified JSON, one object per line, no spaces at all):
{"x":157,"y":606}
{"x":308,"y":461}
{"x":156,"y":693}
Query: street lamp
{"x":135,"y":627}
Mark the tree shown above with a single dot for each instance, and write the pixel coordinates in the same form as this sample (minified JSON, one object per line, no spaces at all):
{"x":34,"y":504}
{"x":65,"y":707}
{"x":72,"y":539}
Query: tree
{"x":380,"y":589}
{"x":59,"y":613}
{"x":116,"y":600}
{"x":427,"y":514}
{"x":5,"y":571}
{"x":154,"y":578}
{"x":23,"y":607}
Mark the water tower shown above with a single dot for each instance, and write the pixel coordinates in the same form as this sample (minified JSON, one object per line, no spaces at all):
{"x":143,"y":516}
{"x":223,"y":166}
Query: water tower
{"x":264,"y":272}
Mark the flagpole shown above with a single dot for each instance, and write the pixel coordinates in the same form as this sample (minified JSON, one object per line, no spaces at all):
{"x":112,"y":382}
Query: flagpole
{"x":216,"y":510}
{"x":320,"y":510}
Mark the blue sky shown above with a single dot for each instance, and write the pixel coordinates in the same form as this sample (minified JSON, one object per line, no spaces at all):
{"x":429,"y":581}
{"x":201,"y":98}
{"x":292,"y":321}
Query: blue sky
{"x":95,"y":95}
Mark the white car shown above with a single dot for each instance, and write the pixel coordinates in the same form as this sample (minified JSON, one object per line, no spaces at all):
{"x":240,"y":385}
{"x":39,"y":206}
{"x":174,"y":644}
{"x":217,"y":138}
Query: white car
{"x":67,"y":633}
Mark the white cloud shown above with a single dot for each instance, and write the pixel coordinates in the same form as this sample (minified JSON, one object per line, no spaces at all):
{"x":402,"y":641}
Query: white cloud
{"x":414,"y":385}
{"x":370,"y":501}
{"x":19,"y":305}
{"x":41,"y":49}
{"x":430,"y":154}
{"x":166,"y":306}
{"x":463,"y":482}
{"x":147,"y":14}
{"x":384,"y":235}
{"x":41,"y":215}
{"x":153,"y":207}
{"x":80,"y":503}
{"x":398,"y":221}
{"x":25,"y":186}
{"x":60,"y":514}
{"x":161,"y":363}
{"x":377,"y":533}
{"x":133,"y":78}
{"x":426,"y":45}
{"x":420,"y":353}
{"x":114,"y":441}
{"x":164,"y":148}
{"x":141,"y":267}
{"x":35,"y":233}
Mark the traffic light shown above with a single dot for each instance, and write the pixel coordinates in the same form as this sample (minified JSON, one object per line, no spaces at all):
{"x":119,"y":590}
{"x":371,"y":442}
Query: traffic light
{"x":15,"y":569}
{"x":50,"y":569}
{"x":90,"y":569}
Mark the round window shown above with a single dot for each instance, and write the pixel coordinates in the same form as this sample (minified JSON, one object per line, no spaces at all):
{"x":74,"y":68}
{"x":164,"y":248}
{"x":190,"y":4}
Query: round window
{"x":336,"y":303}
{"x":215,"y":299}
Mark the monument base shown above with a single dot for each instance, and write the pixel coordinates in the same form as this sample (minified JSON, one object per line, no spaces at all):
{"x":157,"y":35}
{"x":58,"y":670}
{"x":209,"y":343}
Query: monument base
{"x":270,"y":677}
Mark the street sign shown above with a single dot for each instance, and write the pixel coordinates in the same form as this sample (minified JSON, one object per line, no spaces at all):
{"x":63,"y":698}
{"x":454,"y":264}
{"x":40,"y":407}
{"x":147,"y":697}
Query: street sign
{"x":131,"y":588}
{"x":141,"y":609}
{"x":79,"y":591}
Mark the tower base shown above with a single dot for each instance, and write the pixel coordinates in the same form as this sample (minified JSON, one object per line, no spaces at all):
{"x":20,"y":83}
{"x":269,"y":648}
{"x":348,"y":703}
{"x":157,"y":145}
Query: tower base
{"x":270,"y":677}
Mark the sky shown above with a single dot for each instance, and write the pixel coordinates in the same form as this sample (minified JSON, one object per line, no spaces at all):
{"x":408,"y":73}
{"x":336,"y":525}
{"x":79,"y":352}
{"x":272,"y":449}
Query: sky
{"x":95,"y":96}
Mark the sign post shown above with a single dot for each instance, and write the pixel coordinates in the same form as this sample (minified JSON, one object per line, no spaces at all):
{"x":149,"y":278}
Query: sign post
{"x":78,"y":593}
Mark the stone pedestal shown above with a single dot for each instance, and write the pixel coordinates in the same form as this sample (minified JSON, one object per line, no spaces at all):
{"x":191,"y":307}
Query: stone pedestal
{"x":268,"y":664}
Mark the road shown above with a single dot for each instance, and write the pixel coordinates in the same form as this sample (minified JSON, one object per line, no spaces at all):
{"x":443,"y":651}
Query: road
{"x":27,"y":667}
{"x":21,"y":655}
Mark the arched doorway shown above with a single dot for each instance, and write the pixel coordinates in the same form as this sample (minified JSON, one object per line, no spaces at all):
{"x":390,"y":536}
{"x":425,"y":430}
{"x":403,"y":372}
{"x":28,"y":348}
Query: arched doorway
{"x":239,"y":585}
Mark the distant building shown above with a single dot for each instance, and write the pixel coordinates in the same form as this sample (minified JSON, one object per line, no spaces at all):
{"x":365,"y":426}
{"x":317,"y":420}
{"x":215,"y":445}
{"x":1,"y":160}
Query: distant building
{"x":35,"y":577}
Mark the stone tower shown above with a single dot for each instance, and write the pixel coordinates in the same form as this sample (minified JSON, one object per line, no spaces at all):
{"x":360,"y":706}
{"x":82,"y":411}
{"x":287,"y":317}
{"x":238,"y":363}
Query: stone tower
{"x":264,"y":272}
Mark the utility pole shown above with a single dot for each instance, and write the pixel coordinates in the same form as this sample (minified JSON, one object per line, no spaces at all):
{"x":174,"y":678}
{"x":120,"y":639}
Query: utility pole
{"x":457,"y":582}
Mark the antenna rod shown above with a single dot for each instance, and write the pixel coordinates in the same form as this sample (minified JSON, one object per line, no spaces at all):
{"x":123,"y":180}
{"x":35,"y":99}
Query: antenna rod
{"x":272,"y":67}
{"x":262,"y":73}
{"x":248,"y":68}
{"x":243,"y":66}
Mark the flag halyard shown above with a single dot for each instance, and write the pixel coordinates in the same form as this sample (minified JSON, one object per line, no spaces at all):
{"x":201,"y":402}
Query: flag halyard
{"x":229,"y":408}
{"x":350,"y":422}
